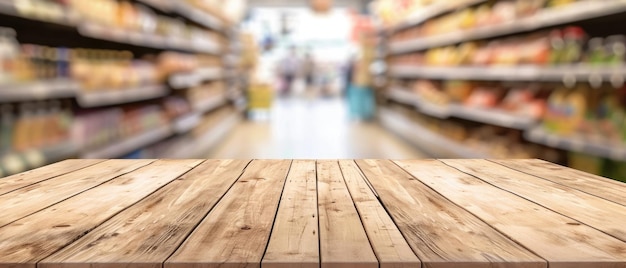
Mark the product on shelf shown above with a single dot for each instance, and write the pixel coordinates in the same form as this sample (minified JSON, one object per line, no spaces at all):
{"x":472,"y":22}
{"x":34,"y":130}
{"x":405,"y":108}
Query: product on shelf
{"x":176,"y":106}
{"x":174,"y":62}
{"x":565,"y":46}
{"x":106,"y":70}
{"x":98,"y":128}
{"x":33,"y":125}
{"x":136,"y":18}
{"x":491,"y":13}
{"x":207,"y":92}
{"x":42,"y":9}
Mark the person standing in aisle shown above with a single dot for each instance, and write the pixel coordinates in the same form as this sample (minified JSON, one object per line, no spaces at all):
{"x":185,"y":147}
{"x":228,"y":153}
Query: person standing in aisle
{"x":289,"y":67}
{"x":308,"y":70}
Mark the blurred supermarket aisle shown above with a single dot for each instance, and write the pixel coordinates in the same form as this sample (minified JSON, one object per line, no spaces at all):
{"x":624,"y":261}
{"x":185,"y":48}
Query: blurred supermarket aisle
{"x":301,"y":128}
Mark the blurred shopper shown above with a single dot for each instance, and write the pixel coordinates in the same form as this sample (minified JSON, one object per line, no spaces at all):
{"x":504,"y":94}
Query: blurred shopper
{"x":288,"y":69}
{"x":308,"y":71}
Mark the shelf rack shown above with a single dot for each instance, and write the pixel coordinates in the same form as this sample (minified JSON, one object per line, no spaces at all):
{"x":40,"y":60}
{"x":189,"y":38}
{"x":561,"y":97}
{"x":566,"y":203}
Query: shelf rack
{"x":578,"y":72}
{"x":431,"y":142}
{"x":574,"y":12}
{"x":492,"y":117}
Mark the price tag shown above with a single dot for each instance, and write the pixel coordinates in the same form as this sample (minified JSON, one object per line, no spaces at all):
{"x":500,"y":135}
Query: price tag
{"x":595,"y":80}
{"x":13,"y":164}
{"x":552,"y":141}
{"x":618,"y":154}
{"x":35,"y":158}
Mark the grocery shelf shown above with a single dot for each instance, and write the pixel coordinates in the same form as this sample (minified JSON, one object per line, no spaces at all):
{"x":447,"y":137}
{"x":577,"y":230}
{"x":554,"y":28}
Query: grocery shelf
{"x":119,"y":148}
{"x":433,"y":10}
{"x":95,"y":30}
{"x":433,"y":143}
{"x":574,"y":12}
{"x":492,"y":117}
{"x":9,"y":7}
{"x":403,"y":96}
{"x":195,"y":78}
{"x":201,"y":17}
{"x":581,"y":72}
{"x":19,"y":162}
{"x":179,"y":7}
{"x":187,"y":122}
{"x":120,"y":96}
{"x":577,"y":144}
{"x":38,"y":90}
{"x":210,"y":104}
{"x":197,"y":147}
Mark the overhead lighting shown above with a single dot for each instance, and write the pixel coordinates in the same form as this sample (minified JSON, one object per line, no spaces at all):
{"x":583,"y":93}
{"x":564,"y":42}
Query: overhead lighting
{"x":321,"y":6}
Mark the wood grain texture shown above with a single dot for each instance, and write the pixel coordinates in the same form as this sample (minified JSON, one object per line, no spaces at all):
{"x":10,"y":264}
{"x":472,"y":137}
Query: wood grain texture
{"x":441,"y":233}
{"x":343,"y":241}
{"x":30,"y":199}
{"x":563,"y":242}
{"x":390,"y":247}
{"x":236,"y":231}
{"x":599,"y":186}
{"x":17,"y":181}
{"x":580,"y":206}
{"x":25,"y":242}
{"x":295,"y":237}
{"x":148,"y":232}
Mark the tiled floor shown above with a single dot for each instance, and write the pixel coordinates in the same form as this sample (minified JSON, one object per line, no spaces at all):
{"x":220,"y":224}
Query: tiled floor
{"x":312,"y":129}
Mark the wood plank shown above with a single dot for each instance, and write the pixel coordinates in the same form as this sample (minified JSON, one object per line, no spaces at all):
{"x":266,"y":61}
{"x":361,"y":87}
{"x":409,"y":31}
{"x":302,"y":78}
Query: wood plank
{"x":343,"y":241}
{"x":441,"y":233}
{"x":599,"y":186}
{"x":390,"y":247}
{"x":148,"y":232}
{"x":295,"y":237}
{"x":30,"y":199}
{"x":17,"y":181}
{"x":563,"y":242}
{"x":25,"y":242}
{"x":236,"y":231}
{"x":580,"y":206}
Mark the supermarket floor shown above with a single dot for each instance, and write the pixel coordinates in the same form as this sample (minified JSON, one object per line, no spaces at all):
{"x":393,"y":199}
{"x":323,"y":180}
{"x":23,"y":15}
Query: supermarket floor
{"x":302,"y":128}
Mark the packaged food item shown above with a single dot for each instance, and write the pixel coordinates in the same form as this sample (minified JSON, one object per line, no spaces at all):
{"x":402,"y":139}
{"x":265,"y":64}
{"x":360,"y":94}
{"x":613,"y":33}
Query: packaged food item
{"x":576,"y":108}
{"x":574,"y":38}
{"x":458,"y":91}
{"x":616,"y":49}
{"x":484,"y":97}
{"x":596,"y":53}
{"x":556,"y":111}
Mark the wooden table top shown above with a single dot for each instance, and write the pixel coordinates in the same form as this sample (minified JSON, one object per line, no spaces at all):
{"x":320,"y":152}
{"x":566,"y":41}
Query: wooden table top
{"x":301,"y":213}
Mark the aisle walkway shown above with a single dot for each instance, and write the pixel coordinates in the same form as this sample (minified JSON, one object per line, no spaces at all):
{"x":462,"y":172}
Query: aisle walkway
{"x":312,"y":129}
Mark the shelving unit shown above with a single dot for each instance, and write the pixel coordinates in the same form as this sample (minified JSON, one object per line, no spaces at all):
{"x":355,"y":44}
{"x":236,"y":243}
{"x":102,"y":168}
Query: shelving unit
{"x":70,"y":31}
{"x":431,"y":142}
{"x":428,"y":61}
{"x":39,"y":90}
{"x":120,"y":96}
{"x":120,"y":148}
{"x":543,"y":19}
{"x":580,"y":72}
{"x":186,"y":122}
{"x":578,"y":144}
{"x":436,"y":9}
{"x":493,"y":117}
{"x":195,"y":78}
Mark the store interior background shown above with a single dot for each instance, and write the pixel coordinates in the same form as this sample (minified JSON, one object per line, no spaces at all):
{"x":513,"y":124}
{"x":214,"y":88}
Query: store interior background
{"x":319,"y":79}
